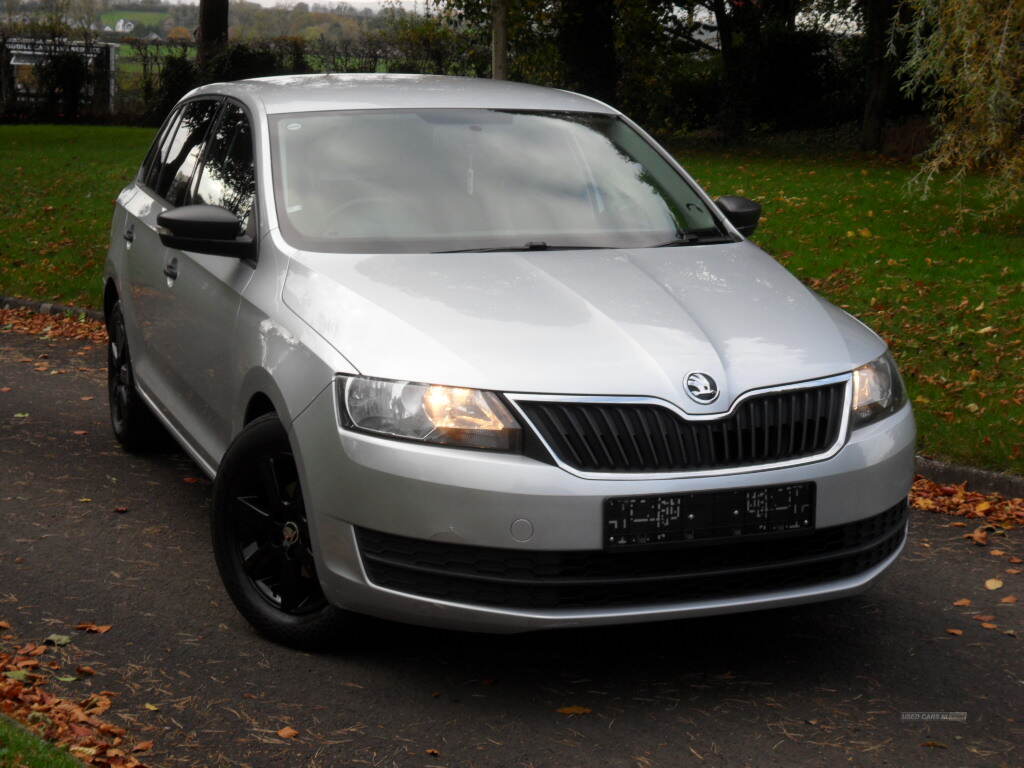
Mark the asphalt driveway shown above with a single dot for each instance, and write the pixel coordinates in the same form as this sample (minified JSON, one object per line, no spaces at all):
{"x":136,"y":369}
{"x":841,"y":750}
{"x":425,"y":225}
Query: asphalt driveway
{"x":814,"y":685}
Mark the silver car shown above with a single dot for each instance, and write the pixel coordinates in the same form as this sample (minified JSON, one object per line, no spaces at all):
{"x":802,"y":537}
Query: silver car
{"x":482,"y":355}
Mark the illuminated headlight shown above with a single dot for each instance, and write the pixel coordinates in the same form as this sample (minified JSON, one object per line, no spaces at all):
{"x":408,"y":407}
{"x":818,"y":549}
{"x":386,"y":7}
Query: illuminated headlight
{"x":429,"y":413}
{"x":877,"y":391}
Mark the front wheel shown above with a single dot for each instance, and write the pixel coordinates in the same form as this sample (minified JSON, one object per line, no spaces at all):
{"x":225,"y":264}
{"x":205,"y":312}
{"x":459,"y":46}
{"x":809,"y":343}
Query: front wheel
{"x":134,"y":425}
{"x":262,"y":544}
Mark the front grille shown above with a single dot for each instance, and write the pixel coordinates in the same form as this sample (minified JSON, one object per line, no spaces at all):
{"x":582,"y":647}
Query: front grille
{"x":594,"y":579}
{"x":644,"y":437}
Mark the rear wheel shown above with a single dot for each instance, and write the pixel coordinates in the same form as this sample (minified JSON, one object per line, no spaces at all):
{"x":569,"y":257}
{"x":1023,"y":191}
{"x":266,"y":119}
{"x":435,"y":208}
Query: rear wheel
{"x":134,"y":425}
{"x":262,"y":544}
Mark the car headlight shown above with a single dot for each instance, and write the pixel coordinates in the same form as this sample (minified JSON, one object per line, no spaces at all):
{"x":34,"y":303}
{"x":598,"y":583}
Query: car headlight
{"x":877,"y":391}
{"x":429,"y":413}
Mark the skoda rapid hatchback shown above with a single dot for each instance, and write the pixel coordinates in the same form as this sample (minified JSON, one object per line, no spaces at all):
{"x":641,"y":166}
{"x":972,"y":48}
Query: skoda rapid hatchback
{"x":482,"y":355}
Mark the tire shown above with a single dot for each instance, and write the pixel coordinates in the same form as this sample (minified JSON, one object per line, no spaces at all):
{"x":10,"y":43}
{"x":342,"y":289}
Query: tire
{"x":262,"y":545}
{"x":134,"y":425}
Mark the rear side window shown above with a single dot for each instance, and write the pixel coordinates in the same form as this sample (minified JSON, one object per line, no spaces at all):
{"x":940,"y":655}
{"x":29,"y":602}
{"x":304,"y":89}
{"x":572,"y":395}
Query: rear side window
{"x":180,"y":151}
{"x":228,"y":178}
{"x":154,"y":151}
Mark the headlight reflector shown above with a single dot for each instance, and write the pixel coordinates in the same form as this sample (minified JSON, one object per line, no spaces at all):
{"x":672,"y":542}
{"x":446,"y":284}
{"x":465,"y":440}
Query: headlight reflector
{"x":430,"y":413}
{"x":877,"y":391}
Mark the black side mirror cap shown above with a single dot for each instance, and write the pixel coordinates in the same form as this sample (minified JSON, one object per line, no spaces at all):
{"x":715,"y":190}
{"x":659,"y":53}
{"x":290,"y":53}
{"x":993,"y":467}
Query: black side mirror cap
{"x":744,"y":214}
{"x":205,"y":229}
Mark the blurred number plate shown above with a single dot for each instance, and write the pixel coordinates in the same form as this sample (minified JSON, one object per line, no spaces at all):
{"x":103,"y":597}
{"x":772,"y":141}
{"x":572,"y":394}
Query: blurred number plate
{"x":640,"y":521}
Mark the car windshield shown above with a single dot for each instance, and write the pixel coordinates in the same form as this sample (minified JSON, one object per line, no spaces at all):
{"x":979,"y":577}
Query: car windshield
{"x":475,"y":179}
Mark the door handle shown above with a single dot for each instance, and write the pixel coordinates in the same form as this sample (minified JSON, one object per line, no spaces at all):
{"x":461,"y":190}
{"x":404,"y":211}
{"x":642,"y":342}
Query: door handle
{"x":129,"y":233}
{"x":171,"y":270}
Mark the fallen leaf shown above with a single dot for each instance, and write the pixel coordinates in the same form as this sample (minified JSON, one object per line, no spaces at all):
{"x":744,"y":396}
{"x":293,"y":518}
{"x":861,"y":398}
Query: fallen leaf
{"x":67,"y":678}
{"x":1016,"y":559}
{"x":978,"y":535}
{"x":996,"y":552}
{"x":21,"y":415}
{"x":989,"y":625}
{"x":1009,"y":599}
{"x":192,"y":480}
{"x":956,"y":632}
{"x":19,"y":674}
{"x":5,"y":389}
{"x":151,"y":707}
{"x":432,"y":752}
{"x":4,"y":625}
{"x":85,"y":500}
{"x":120,"y":510}
{"x":287,"y":732}
{"x":994,"y":584}
{"x":575,"y":709}
{"x":982,"y":508}
{"x":86,"y":398}
{"x":98,"y":629}
{"x":58,"y":639}
{"x":85,"y":670}
{"x":983,"y":617}
{"x":935,"y":744}
{"x":80,"y":432}
{"x":963,"y":602}
{"x":1013,"y":571}
{"x":143,"y":746}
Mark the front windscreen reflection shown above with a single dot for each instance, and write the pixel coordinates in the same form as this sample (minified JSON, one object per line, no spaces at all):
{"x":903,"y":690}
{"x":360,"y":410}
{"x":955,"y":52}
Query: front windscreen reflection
{"x":454,"y":179}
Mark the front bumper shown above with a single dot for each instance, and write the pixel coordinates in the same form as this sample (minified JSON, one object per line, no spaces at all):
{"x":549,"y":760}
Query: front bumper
{"x":455,"y":497}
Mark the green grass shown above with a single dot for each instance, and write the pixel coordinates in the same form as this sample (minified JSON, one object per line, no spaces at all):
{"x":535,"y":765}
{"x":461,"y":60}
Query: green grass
{"x":948,"y":297}
{"x":19,"y":748}
{"x":57,"y":190}
{"x":139,"y":17}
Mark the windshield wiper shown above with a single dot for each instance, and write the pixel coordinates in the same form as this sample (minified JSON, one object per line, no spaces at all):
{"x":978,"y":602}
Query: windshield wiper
{"x":695,"y":238}
{"x":533,"y":246}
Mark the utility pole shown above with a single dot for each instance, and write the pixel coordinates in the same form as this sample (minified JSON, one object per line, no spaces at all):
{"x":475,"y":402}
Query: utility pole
{"x":499,"y":39}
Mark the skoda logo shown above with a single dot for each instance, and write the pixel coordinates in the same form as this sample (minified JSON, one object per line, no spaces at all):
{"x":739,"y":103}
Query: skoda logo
{"x":701,"y":388}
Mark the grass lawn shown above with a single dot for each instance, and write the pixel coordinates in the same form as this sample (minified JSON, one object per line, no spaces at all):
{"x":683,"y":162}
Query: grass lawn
{"x":949,"y":299}
{"x":151,"y":18}
{"x":20,"y":748}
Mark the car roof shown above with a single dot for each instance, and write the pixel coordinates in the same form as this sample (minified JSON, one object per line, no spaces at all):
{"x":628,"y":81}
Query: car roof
{"x":316,"y":93}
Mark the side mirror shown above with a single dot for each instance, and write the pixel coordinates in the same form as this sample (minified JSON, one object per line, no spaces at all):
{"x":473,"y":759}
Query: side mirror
{"x":743,"y":213}
{"x":205,"y":229}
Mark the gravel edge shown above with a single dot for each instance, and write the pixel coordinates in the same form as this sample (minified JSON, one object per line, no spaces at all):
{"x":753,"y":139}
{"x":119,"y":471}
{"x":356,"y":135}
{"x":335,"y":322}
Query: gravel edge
{"x":48,"y":308}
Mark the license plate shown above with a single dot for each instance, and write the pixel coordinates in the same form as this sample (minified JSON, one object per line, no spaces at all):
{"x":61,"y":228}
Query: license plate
{"x":642,"y":521}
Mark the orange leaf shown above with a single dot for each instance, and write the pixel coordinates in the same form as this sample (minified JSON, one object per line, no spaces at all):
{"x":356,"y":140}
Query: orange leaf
{"x":143,"y":746}
{"x":978,"y":536}
{"x":287,"y":732}
{"x":989,"y":625}
{"x":1009,"y":599}
{"x":983,"y":617}
{"x":993,"y":584}
{"x":963,"y":602}
{"x":85,"y":670}
{"x":575,"y":709}
{"x":956,"y":632}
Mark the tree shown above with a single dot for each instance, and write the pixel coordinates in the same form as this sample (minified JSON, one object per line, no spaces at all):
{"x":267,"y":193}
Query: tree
{"x":499,"y":39}
{"x":213,"y":29}
{"x":586,"y":40}
{"x":966,"y":57}
{"x":876,"y":18}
